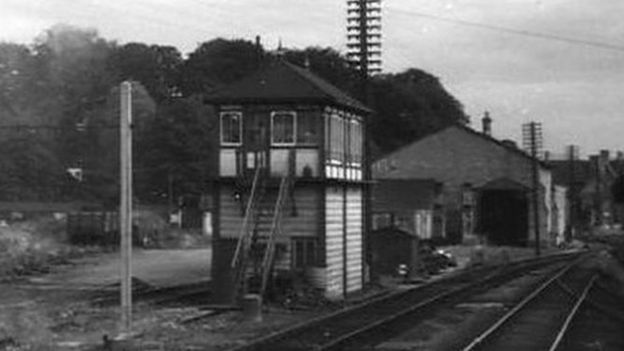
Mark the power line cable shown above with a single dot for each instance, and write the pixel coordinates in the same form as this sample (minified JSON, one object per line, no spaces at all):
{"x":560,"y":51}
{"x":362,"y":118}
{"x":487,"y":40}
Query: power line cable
{"x":520,"y":32}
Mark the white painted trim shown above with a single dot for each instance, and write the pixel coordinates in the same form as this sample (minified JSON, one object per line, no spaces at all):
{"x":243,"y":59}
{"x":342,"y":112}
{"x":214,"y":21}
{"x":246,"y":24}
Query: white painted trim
{"x":294,"y":139}
{"x":240,"y":128}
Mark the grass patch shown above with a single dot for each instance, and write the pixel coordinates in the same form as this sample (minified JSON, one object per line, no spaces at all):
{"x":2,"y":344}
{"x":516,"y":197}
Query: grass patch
{"x":31,"y":247}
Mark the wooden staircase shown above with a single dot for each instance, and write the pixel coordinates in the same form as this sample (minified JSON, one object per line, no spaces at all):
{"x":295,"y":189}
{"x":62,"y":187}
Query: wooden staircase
{"x":255,"y":254}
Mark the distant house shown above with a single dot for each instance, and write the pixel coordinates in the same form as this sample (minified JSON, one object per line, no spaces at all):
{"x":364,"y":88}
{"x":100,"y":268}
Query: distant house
{"x":590,"y":183}
{"x":289,"y":193}
{"x":486,"y":184}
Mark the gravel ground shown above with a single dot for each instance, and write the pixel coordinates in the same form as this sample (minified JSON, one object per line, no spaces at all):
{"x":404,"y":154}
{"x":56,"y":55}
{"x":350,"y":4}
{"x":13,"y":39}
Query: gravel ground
{"x":52,"y":312}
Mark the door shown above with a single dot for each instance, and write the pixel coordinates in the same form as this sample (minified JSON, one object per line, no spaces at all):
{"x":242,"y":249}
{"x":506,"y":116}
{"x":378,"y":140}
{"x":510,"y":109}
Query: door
{"x":254,"y":152}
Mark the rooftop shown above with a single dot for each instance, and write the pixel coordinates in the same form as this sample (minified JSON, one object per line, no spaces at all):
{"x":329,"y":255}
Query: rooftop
{"x":283,"y":82}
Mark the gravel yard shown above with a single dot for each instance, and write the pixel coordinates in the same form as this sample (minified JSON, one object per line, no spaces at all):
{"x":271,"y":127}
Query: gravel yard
{"x":54,"y":311}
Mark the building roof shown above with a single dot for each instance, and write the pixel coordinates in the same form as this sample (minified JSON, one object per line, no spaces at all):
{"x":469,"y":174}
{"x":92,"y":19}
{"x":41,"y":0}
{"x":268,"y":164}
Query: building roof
{"x":478,"y":134}
{"x":504,"y":184}
{"x":505,"y":145}
{"x":283,"y":82}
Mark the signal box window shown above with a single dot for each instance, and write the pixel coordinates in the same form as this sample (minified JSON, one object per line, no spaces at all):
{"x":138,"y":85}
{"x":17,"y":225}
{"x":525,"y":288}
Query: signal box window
{"x":231,"y":128}
{"x":283,"y":128}
{"x":355,"y":143}
{"x":307,"y":129}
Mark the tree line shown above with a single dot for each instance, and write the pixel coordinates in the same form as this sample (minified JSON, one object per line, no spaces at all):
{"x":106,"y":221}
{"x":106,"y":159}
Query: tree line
{"x":59,"y":108}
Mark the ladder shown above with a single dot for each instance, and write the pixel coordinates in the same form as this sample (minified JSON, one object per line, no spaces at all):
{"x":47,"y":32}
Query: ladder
{"x":241,"y":254}
{"x":269,"y":253}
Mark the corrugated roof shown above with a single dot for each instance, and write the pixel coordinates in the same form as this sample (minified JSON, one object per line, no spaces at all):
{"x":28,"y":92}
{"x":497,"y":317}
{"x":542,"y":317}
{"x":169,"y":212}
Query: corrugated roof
{"x":283,"y":82}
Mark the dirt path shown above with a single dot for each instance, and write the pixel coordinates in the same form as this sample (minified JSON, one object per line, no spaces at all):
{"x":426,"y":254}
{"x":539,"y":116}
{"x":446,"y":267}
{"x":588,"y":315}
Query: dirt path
{"x":52,"y":311}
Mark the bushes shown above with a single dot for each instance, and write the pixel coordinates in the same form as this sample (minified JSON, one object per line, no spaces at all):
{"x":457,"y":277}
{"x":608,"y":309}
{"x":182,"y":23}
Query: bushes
{"x":31,"y":247}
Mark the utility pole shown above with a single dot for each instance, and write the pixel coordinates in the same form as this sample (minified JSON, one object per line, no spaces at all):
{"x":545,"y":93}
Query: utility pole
{"x":364,"y":36}
{"x":364,"y":53}
{"x":532,"y":139}
{"x":125,"y":205}
{"x":573,"y":152}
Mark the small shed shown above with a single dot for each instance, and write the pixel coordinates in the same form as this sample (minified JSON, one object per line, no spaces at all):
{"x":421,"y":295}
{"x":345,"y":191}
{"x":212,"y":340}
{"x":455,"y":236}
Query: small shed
{"x":390,"y":248}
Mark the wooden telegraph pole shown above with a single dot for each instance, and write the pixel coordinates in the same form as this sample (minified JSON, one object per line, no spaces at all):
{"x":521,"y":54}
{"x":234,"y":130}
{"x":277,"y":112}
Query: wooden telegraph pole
{"x":532,"y":139}
{"x":125,"y":205}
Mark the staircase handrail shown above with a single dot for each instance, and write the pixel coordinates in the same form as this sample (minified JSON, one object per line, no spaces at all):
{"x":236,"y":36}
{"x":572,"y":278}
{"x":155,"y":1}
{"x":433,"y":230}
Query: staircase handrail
{"x":267,"y":260}
{"x":249,"y":212}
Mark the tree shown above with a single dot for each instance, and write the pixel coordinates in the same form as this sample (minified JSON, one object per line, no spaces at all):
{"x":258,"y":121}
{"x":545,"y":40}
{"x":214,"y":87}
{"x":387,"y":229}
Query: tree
{"x":410,"y":105}
{"x":329,"y":64}
{"x":179,"y":147}
{"x":30,"y":170}
{"x":68,"y":79}
{"x":73,"y":70}
{"x":156,"y":67}
{"x":219,"y":62}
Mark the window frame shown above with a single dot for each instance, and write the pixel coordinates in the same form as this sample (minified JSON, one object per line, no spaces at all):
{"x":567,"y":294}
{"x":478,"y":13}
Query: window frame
{"x":311,"y":258}
{"x":222,"y":114}
{"x":302,"y":120}
{"x":355,"y":142}
{"x":294,"y":129}
{"x":337,"y":147}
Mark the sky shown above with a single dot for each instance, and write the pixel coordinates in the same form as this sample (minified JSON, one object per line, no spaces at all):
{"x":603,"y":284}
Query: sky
{"x":558,"y":62}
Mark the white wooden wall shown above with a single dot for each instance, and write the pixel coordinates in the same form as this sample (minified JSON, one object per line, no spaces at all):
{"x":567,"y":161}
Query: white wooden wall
{"x":334,"y":242}
{"x":354,"y":239}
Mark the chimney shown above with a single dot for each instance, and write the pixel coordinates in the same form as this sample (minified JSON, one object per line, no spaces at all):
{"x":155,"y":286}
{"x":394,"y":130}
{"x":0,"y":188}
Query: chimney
{"x":258,"y":51}
{"x":486,"y":122}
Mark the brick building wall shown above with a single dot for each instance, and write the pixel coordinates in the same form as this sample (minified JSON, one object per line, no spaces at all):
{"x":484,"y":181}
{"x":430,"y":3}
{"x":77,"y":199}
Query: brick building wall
{"x":459,"y":157}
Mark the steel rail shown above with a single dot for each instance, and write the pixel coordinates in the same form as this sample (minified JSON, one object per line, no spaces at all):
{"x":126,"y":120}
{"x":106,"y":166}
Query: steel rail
{"x":296,"y":331}
{"x":392,"y":317}
{"x":566,"y":324}
{"x":592,"y":303}
{"x":518,"y":307}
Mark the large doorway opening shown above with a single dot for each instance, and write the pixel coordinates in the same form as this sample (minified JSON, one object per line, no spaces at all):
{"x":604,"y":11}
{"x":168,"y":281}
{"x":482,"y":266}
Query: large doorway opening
{"x":503,"y":216}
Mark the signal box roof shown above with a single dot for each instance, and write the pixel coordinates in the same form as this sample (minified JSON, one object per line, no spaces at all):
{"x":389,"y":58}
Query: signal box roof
{"x":282,"y":82}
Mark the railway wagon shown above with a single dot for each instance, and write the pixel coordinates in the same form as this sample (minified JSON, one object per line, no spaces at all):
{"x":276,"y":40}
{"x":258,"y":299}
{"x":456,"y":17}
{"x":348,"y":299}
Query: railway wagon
{"x":289,"y":196}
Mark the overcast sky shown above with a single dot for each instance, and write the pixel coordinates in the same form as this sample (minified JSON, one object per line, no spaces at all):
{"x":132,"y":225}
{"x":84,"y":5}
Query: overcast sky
{"x":576,"y":90}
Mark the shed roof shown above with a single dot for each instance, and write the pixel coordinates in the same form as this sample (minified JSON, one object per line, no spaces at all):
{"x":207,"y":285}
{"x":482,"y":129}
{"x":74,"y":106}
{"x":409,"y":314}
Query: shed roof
{"x":501,"y":143}
{"x":504,"y":184}
{"x":465,"y":129}
{"x":283,"y":82}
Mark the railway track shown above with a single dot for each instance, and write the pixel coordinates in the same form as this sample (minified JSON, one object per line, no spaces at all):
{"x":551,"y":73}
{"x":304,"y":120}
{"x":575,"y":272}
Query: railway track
{"x":376,"y":319}
{"x":190,"y":294}
{"x":599,"y":322}
{"x":543,"y":318}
